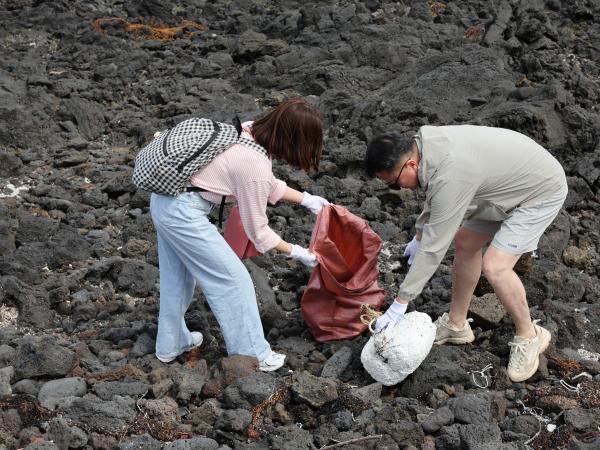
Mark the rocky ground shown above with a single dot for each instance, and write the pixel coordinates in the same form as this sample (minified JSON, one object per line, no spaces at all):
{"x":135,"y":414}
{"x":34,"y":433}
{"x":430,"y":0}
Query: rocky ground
{"x":83,"y":84}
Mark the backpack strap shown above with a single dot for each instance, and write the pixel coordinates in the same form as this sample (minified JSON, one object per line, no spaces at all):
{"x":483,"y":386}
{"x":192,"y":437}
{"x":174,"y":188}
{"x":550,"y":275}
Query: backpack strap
{"x":221,"y":206}
{"x":164,"y":143}
{"x":238,"y":125}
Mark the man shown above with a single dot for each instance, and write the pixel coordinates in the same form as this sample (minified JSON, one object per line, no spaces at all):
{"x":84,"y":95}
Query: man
{"x":483,"y":186}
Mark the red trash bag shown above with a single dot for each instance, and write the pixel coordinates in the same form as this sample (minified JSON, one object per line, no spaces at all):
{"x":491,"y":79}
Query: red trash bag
{"x":346,"y":277}
{"x":236,"y":236}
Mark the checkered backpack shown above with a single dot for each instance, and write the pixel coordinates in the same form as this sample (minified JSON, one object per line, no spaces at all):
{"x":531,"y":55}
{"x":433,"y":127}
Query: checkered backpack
{"x":166,"y":164}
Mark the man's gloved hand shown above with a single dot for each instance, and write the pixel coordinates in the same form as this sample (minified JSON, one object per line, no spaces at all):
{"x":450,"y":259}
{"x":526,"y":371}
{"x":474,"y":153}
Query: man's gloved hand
{"x":313,"y":202}
{"x":411,"y":249}
{"x":391,"y":317}
{"x":304,"y":256}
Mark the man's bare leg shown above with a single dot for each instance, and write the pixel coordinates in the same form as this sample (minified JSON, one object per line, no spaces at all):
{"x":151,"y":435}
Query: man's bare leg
{"x":498,"y":269}
{"x":466,"y":271}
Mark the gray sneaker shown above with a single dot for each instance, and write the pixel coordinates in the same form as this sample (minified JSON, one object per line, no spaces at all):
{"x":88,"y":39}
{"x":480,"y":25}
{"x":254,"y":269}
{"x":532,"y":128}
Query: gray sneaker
{"x":449,"y":333}
{"x":525,"y":354}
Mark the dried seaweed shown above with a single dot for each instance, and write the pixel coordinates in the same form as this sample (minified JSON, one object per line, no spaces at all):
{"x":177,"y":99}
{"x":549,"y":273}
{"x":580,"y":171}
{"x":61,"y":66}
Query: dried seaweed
{"x":127,"y":371}
{"x":281,"y":395}
{"x":566,"y":368}
{"x":587,"y":394}
{"x":158,"y":31}
{"x":28,"y":407}
{"x":163,"y":430}
{"x":436,"y":7}
{"x":474,"y":32}
{"x":555,"y":439}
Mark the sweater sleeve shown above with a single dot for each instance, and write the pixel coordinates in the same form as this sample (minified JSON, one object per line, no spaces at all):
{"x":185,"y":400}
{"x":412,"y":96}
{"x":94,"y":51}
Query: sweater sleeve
{"x":278,"y":188}
{"x":448,"y":202}
{"x":252,"y":199}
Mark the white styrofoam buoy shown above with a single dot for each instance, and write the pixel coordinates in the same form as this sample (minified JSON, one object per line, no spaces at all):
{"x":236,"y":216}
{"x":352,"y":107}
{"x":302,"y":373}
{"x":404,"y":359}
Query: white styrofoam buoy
{"x":396,"y":352}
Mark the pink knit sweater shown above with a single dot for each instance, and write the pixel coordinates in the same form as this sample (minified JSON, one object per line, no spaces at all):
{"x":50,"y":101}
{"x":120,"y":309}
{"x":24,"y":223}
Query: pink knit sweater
{"x":245,"y":175}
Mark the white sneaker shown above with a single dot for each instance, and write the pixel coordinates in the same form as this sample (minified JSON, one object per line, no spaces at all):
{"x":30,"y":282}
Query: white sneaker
{"x":525,"y":354}
{"x":273,"y":362}
{"x":447,"y":332}
{"x":196,"y":342}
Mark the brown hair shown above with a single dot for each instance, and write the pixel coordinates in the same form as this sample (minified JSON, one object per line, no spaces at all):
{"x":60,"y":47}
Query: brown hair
{"x":292,"y":132}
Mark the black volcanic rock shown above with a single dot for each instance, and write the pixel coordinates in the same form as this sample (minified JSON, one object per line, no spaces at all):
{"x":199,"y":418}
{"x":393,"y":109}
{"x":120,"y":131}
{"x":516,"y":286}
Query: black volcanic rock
{"x":84,"y":85}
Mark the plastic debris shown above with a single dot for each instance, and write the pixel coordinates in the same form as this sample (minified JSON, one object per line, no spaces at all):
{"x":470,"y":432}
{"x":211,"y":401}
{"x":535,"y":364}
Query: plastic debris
{"x":394,"y":353}
{"x":486,"y":379}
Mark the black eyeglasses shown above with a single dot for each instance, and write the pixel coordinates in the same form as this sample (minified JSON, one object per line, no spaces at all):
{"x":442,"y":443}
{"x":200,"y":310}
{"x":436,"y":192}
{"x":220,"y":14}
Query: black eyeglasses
{"x":394,"y":185}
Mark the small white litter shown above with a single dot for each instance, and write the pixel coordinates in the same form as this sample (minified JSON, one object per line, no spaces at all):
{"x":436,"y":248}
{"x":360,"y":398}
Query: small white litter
{"x":394,"y":353}
{"x":8,"y":316}
{"x":10,"y":190}
{"x":486,"y":378}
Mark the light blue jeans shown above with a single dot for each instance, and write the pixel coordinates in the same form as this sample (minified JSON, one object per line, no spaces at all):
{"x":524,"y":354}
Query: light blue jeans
{"x":190,"y":251}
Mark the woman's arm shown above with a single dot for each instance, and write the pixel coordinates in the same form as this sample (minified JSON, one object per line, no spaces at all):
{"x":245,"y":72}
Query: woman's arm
{"x":284,"y":247}
{"x":292,"y":195}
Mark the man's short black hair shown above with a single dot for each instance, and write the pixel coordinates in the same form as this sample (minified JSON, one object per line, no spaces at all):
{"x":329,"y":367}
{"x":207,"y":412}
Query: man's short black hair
{"x":384,"y":152}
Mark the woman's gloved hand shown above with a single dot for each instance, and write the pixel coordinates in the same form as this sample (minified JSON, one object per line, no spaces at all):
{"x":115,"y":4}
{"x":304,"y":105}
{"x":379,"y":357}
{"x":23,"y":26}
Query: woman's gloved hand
{"x":304,"y":256}
{"x":391,"y":317}
{"x":313,"y":202}
{"x":411,"y":249}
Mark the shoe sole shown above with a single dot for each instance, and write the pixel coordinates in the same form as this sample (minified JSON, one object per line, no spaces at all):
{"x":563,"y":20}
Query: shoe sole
{"x":270,"y":368}
{"x":456,"y":341}
{"x":185,"y":349}
{"x":547,"y":337}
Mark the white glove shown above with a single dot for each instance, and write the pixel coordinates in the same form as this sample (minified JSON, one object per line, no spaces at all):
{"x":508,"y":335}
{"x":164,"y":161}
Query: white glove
{"x":304,"y":256}
{"x":391,"y":317}
{"x":313,"y":202}
{"x":411,"y":249}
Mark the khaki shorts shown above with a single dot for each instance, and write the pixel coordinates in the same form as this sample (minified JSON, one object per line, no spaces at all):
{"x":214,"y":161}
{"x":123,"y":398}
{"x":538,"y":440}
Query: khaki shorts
{"x":521,"y":232}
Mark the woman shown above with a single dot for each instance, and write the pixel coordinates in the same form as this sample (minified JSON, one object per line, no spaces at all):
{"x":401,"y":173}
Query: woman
{"x":191,"y":249}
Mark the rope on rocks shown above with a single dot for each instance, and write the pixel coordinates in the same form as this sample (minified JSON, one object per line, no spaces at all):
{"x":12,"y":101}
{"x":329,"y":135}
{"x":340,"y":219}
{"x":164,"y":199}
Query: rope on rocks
{"x":369,"y":316}
{"x":137,"y":403}
{"x":534,"y":411}
{"x":568,"y":387}
{"x":487,"y":379}
{"x":583,"y":374}
{"x":530,"y":440}
{"x":351,"y":441}
{"x":538,"y":413}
